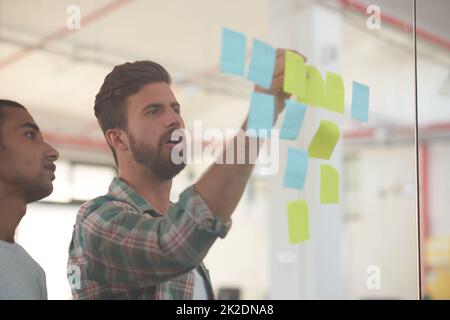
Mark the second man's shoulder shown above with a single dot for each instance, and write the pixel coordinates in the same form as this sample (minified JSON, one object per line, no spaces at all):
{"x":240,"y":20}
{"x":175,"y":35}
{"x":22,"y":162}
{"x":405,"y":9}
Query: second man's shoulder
{"x":104,"y":204}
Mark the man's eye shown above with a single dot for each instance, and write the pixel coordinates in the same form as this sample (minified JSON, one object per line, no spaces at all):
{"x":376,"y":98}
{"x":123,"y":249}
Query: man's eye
{"x":154,"y":111}
{"x":176,"y":109}
{"x":30,"y":134}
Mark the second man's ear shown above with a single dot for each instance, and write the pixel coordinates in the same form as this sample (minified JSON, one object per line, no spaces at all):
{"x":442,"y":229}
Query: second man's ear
{"x":118,"y":139}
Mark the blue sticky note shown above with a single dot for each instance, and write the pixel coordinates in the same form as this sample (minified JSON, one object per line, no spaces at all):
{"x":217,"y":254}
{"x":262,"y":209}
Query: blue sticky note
{"x":261,"y":116}
{"x":262,"y":64}
{"x":232,"y":57}
{"x":296,"y":167}
{"x":293,"y":119}
{"x":360,"y":101}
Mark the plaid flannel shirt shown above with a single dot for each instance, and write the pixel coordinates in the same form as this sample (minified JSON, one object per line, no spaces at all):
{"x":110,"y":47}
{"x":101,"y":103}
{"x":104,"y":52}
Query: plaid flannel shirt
{"x":123,"y":249}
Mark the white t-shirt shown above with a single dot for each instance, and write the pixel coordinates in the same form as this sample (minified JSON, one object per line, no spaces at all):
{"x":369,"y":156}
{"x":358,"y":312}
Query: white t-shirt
{"x":199,"y":287}
{"x":21,"y":277}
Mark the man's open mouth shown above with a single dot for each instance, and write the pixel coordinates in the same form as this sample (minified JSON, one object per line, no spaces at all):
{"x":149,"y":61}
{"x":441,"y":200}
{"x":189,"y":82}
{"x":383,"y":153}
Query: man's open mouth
{"x":174,"y":141}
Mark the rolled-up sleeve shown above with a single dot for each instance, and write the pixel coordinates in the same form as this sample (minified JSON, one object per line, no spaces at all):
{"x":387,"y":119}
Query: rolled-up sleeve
{"x":202,"y":215}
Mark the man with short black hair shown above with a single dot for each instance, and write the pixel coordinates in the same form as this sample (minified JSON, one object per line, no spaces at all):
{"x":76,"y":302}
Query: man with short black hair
{"x":27,"y":170}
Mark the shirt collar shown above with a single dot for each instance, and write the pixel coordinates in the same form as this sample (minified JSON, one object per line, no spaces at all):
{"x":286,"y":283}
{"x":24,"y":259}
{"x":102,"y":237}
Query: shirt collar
{"x":121,"y":190}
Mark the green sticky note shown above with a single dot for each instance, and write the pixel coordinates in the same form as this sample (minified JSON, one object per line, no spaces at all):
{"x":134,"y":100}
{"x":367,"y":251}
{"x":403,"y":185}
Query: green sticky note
{"x":314,"y":88}
{"x":334,"y":93}
{"x":294,"y":75}
{"x":324,"y":141}
{"x":329,"y":184}
{"x":298,"y":223}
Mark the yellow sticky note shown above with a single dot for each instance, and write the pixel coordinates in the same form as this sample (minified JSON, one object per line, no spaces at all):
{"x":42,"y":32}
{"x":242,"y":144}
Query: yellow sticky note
{"x":298,"y":221}
{"x":314,"y":88}
{"x":334,"y":93}
{"x":329,"y":184}
{"x":324,"y":141}
{"x":294,"y":75}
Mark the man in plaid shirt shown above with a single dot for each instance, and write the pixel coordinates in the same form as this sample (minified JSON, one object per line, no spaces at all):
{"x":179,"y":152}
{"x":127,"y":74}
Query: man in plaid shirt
{"x":133,"y":243}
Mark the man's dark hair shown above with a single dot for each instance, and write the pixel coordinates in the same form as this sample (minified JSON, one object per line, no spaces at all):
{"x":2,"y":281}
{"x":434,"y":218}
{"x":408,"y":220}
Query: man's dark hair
{"x":7,"y":103}
{"x":124,"y":80}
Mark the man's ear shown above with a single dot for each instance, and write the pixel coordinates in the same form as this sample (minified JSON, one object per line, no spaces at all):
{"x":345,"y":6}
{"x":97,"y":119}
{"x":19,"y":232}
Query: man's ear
{"x":118,"y":139}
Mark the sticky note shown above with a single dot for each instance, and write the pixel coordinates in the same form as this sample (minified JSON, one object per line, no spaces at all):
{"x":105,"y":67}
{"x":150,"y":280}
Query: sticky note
{"x":261,"y":115}
{"x":298,"y":221}
{"x":296,"y":168}
{"x":262,"y":64}
{"x":232,"y":57}
{"x":293,"y":119}
{"x":360,"y":101}
{"x":329,"y":184}
{"x":324,"y":141}
{"x":334,"y":93}
{"x":314,"y":87}
{"x":294,"y":75}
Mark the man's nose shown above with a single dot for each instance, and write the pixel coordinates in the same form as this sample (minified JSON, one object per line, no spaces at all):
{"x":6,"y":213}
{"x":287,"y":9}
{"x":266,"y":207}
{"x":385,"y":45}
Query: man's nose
{"x":51,"y":153}
{"x":172,"y":119}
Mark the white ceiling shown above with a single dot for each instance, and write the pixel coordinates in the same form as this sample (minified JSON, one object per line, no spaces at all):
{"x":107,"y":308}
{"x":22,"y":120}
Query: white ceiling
{"x":63,"y":79}
{"x":60,"y":81}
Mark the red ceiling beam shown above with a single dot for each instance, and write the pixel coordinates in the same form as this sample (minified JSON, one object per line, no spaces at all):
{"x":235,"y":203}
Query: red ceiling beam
{"x":395,"y":22}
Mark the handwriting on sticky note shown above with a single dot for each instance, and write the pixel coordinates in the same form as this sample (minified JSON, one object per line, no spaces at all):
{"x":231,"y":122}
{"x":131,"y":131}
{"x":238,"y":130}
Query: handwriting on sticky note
{"x":329,"y":184}
{"x":232,"y":57}
{"x":298,"y":221}
{"x":293,"y":119}
{"x":296,"y":168}
{"x":360,"y":101}
{"x":314,"y":87}
{"x":324,"y":141}
{"x":262,"y":64}
{"x":261,"y":115}
{"x":294,"y":75}
{"x":334,"y":93}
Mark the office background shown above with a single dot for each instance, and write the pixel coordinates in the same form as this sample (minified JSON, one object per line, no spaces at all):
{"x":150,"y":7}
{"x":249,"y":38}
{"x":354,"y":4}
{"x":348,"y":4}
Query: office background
{"x":56,"y":72}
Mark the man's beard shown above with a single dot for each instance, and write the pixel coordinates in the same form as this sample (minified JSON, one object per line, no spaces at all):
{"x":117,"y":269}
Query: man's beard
{"x":33,"y":189}
{"x":154,"y":160}
{"x":37,"y":191}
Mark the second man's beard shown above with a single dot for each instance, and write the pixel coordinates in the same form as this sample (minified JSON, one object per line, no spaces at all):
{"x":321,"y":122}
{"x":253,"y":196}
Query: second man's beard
{"x":154,"y":160}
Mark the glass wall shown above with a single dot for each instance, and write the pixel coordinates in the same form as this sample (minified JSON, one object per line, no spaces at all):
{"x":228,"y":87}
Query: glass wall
{"x":433,"y":88}
{"x":364,"y":246}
